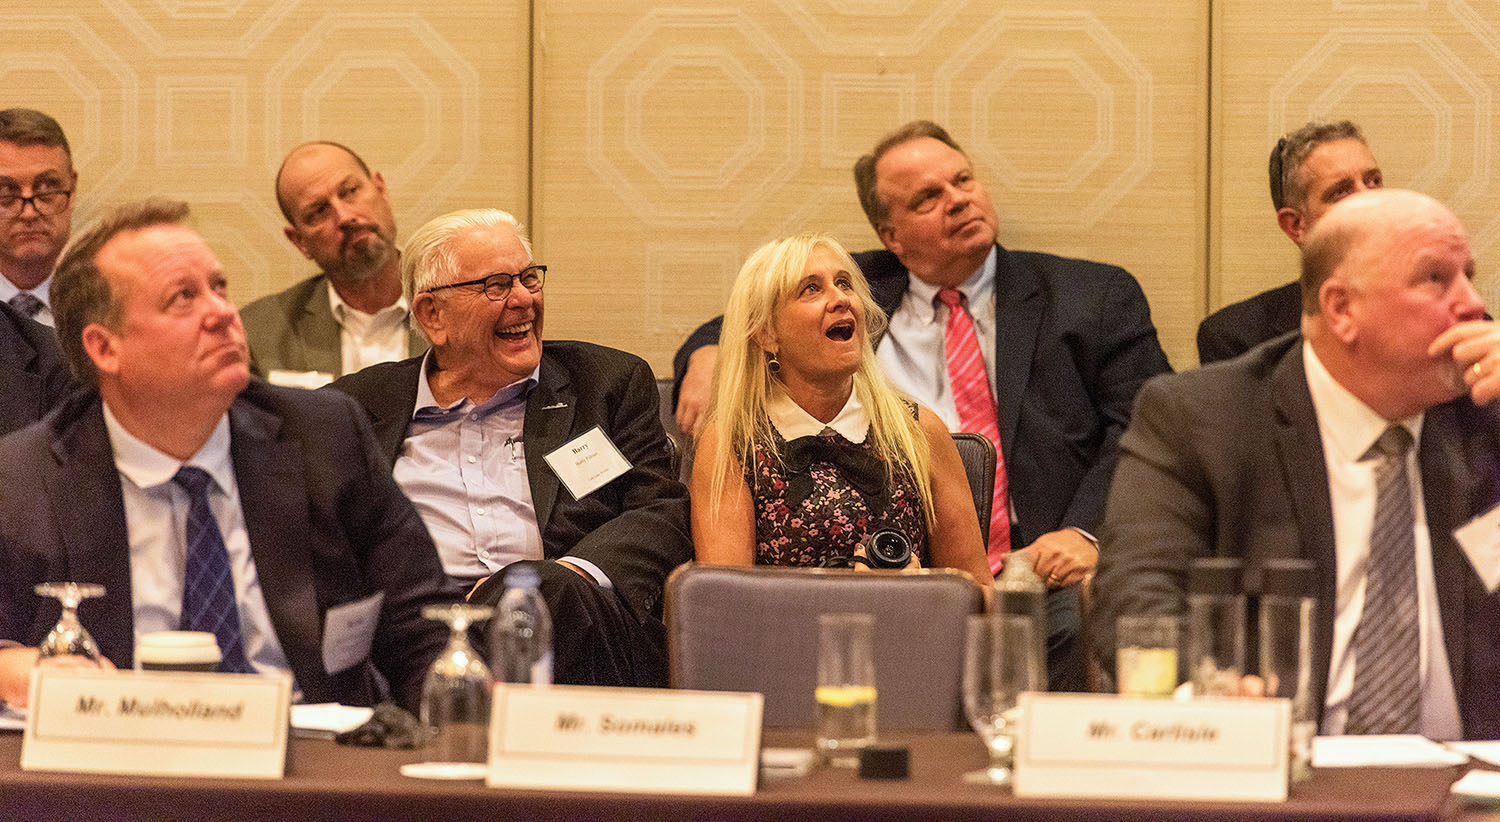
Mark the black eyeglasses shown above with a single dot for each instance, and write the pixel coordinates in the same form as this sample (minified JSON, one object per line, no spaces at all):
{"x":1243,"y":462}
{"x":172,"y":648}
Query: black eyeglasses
{"x":497,"y":286}
{"x":46,"y":203}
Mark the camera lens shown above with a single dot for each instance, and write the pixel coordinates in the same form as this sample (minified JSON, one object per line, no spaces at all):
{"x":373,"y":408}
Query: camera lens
{"x":888,"y":549}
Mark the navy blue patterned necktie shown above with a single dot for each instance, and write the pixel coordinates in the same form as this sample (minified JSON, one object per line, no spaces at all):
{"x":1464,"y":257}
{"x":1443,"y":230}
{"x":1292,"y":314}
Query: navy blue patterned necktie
{"x":26,"y":303}
{"x":208,"y":590}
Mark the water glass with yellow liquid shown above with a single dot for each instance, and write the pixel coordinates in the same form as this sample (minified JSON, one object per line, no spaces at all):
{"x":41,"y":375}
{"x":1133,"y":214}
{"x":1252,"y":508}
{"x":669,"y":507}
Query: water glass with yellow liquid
{"x":846,"y":686}
{"x":1146,"y":655}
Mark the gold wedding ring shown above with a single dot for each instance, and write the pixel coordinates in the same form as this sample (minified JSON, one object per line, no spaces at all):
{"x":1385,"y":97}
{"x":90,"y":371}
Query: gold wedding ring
{"x":1478,"y":372}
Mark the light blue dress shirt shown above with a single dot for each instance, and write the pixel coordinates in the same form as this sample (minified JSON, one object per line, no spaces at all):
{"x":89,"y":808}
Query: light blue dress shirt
{"x":464,"y":468}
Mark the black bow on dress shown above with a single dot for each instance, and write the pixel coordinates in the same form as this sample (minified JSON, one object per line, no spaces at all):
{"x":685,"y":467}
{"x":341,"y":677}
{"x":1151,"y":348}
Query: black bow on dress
{"x":863,"y":470}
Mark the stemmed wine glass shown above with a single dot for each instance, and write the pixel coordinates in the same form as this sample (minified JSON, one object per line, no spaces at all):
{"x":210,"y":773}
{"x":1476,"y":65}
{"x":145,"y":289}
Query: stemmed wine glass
{"x":999,"y":663}
{"x":455,"y":701}
{"x":68,"y":637}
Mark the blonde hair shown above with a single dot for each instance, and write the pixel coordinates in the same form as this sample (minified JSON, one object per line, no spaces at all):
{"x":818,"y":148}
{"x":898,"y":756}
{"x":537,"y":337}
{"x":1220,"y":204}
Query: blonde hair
{"x":738,"y":409}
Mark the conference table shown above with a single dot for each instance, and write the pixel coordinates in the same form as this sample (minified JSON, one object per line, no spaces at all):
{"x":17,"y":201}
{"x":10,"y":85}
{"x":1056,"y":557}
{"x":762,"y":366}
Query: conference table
{"x":328,"y":782}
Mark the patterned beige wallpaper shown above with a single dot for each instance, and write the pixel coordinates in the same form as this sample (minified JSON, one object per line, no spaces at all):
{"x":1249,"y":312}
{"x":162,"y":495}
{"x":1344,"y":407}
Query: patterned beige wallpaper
{"x":674,"y":139}
{"x":653,"y":145}
{"x":1419,"y":77}
{"x":200,"y":100}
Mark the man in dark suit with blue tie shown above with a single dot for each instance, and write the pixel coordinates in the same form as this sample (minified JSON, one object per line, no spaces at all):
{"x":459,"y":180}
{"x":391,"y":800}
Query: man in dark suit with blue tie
{"x":202,"y":500}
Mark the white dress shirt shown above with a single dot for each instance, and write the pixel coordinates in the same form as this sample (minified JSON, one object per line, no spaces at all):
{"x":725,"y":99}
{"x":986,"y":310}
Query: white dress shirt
{"x":156,"y":526}
{"x":913,"y":350}
{"x":42,"y":292}
{"x":367,"y":339}
{"x":1348,"y":428}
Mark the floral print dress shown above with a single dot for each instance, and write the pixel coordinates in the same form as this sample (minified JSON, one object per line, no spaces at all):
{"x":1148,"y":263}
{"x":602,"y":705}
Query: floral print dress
{"x":803,"y":523}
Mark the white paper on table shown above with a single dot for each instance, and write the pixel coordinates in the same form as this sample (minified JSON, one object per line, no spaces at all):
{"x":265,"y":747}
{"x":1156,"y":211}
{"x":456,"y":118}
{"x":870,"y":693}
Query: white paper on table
{"x":1488,"y":752}
{"x":1382,"y":751}
{"x":329,"y":717}
{"x":1482,"y":785}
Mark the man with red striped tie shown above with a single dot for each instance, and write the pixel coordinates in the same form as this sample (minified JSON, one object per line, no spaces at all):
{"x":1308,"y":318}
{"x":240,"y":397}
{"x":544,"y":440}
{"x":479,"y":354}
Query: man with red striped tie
{"x":1040,"y":354}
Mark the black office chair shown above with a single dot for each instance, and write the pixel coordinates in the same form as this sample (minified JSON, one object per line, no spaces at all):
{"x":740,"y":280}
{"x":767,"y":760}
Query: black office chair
{"x":978,"y":455}
{"x":756,"y":629}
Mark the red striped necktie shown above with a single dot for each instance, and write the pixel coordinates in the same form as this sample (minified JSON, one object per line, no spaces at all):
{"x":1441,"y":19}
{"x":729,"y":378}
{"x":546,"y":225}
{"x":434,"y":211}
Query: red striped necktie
{"x":976,"y":410}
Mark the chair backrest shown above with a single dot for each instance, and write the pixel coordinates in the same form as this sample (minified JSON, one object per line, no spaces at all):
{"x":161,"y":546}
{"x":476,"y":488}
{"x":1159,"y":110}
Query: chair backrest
{"x":756,"y":629}
{"x":978,"y":454}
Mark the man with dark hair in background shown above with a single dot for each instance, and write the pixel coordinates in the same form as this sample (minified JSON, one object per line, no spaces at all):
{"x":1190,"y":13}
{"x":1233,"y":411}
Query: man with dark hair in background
{"x":37,"y":183}
{"x":1311,"y":169}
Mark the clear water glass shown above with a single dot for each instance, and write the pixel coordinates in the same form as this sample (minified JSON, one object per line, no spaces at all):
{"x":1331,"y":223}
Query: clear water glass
{"x":845,"y":695}
{"x":68,"y":638}
{"x":455,"y":701}
{"x":999,"y":664}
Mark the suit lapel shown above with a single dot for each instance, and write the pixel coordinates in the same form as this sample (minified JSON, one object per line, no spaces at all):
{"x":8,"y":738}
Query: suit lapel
{"x":273,"y":497}
{"x":1017,"y":319}
{"x":89,"y":509}
{"x":1299,"y":448}
{"x":391,"y":406}
{"x":549,"y":418}
{"x":322,"y":349}
{"x":21,"y":400}
{"x":1448,"y":491}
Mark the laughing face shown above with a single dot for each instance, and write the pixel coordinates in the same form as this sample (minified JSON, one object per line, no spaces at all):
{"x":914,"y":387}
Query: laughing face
{"x":819,"y":327}
{"x":484,"y":344}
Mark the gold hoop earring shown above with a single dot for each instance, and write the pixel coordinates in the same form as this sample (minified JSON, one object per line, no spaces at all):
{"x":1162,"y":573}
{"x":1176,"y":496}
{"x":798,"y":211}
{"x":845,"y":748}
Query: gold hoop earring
{"x":773,"y":365}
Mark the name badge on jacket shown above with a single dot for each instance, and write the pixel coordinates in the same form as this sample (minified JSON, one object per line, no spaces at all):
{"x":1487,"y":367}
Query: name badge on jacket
{"x":587,"y":463}
{"x":1480,"y":539}
{"x":349,"y":631}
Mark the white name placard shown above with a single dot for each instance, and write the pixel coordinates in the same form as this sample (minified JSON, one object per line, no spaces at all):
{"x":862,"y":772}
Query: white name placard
{"x":156,"y":723}
{"x":635,"y":740}
{"x":1100,"y":746}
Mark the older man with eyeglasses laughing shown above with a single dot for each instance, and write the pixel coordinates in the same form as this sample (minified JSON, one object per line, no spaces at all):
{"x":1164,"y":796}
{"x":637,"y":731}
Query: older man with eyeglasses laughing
{"x":518,"y":451}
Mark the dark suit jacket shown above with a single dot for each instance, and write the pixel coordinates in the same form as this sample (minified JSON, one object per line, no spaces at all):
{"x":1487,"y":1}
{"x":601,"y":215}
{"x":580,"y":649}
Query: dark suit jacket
{"x":294,"y":330}
{"x":635,"y":527}
{"x":1239,"y":327}
{"x":327,"y":526}
{"x":1228,"y":461}
{"x":1073,"y":343}
{"x":33,"y":376}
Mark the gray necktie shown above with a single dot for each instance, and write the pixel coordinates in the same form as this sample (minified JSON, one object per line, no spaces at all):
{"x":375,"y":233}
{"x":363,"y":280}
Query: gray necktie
{"x":1387,"y":697}
{"x":26,"y":303}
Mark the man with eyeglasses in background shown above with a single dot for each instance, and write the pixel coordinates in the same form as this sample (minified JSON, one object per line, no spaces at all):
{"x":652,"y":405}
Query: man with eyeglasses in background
{"x":37,"y":181}
{"x":517,"y":451}
{"x":36,"y":215}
